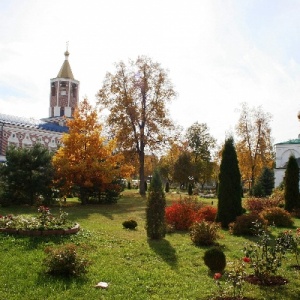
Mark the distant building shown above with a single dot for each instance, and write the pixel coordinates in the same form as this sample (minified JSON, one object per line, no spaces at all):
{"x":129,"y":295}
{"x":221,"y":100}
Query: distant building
{"x":25,"y":132}
{"x":283,"y":152}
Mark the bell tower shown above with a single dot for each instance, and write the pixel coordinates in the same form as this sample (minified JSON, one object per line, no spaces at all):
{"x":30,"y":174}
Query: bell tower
{"x":64,"y":90}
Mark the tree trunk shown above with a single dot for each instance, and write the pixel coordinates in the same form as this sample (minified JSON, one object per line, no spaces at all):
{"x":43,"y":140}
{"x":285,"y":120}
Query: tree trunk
{"x":142,"y":173}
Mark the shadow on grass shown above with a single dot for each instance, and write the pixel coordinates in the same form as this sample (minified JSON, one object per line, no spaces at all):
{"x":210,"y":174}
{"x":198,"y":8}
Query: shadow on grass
{"x":279,"y":293}
{"x":64,"y":282}
{"x":165,"y":250}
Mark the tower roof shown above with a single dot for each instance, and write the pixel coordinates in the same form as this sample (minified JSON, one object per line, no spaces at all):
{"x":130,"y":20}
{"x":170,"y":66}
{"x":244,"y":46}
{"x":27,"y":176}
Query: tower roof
{"x":65,"y":70}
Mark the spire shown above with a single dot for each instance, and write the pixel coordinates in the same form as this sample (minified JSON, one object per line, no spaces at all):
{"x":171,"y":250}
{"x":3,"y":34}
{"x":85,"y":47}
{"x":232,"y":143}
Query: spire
{"x":65,"y":70}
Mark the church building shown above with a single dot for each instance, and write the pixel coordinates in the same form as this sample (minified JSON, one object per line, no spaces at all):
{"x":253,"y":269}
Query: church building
{"x":283,"y":152}
{"x":22,"y":132}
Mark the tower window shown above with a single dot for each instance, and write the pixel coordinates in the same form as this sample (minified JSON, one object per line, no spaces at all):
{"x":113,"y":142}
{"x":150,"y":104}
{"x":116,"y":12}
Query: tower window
{"x":53,"y":89}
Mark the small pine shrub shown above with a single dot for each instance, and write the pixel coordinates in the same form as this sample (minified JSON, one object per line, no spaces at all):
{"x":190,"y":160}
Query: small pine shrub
{"x":207,"y":213}
{"x":155,"y":210}
{"x":190,"y":189}
{"x":183,"y":214}
{"x":215,"y":259}
{"x":65,"y":261}
{"x":130,"y":224}
{"x":167,"y":188}
{"x":245,"y":224}
{"x":277,"y":216}
{"x":257,"y":205}
{"x":204,"y":233}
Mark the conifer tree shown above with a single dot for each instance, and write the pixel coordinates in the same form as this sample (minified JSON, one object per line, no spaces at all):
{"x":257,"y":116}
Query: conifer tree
{"x":291,"y":184}
{"x":229,"y":190}
{"x":155,"y":211}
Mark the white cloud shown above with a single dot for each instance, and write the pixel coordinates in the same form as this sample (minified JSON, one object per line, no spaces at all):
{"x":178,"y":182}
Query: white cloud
{"x":217,"y":53}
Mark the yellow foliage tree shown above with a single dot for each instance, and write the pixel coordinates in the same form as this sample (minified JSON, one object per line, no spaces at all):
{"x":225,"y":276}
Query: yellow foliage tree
{"x":136,"y":96}
{"x":86,"y":159}
{"x":254,"y":145}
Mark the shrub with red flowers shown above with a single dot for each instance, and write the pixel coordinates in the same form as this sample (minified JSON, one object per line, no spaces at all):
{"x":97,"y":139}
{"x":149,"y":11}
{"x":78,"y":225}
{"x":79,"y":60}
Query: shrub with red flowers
{"x":183,"y":213}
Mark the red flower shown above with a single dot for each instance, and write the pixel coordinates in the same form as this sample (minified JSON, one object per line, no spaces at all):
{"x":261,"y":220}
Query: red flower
{"x":217,"y":276}
{"x":246,"y":259}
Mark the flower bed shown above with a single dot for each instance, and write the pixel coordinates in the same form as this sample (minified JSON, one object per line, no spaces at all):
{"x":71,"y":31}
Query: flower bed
{"x":43,"y":224}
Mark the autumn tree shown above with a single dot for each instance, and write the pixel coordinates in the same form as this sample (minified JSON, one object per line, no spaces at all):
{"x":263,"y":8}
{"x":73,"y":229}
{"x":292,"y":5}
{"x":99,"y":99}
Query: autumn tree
{"x":168,"y":160}
{"x":254,"y":144}
{"x":135,"y":96}
{"x":229,"y":190}
{"x":86,"y":159}
{"x":291,"y":185}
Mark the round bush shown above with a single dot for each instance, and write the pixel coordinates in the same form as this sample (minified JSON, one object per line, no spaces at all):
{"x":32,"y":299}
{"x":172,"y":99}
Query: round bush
{"x":246,"y":224}
{"x":129,"y":224}
{"x":215,"y":259}
{"x":277,"y":216}
{"x":204,"y":233}
{"x":65,"y":261}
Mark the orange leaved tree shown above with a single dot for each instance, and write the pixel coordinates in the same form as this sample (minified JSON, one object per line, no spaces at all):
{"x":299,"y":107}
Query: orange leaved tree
{"x":87,"y":160}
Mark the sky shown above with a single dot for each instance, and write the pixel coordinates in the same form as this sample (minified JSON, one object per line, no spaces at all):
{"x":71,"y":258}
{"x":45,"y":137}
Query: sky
{"x":219,"y":54}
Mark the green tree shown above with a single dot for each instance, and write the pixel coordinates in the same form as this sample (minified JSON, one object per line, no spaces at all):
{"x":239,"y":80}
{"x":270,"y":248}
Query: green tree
{"x":27,"y":175}
{"x":200,"y":141}
{"x":265,"y":184}
{"x":291,"y":185}
{"x":136,"y":96}
{"x":183,"y":169}
{"x":155,"y":210}
{"x":229,"y":189}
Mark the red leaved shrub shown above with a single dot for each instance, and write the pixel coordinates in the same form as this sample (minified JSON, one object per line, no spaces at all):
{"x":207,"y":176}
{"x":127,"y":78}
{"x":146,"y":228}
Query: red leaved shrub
{"x":183,"y":214}
{"x":257,"y":205}
{"x":207,"y":213}
{"x":278,"y":217}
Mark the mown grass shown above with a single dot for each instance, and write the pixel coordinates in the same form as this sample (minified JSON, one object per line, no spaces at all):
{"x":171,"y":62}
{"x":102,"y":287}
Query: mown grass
{"x":134,"y":267}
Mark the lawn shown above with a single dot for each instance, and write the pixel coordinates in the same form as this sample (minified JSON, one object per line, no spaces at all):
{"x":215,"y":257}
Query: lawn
{"x":134,"y":267}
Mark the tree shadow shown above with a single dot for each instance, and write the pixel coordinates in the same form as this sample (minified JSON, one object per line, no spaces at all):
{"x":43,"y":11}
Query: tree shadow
{"x":165,"y":250}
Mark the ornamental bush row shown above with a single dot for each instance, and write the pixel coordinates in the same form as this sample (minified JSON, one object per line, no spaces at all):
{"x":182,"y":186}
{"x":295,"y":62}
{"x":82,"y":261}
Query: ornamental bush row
{"x":276,"y":216}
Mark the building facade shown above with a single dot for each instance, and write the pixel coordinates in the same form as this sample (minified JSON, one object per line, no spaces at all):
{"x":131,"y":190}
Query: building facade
{"x":283,"y":152}
{"x":23,"y":132}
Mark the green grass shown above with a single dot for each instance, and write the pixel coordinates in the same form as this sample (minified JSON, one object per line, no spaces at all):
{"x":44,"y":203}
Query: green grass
{"x":134,"y":267}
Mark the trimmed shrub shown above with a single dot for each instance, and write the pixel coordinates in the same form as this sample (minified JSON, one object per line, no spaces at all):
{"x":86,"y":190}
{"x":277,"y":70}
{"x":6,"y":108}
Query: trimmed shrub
{"x":215,"y":259}
{"x":167,"y":188}
{"x":130,"y":224}
{"x":183,"y":214}
{"x":207,"y":213}
{"x":246,"y":224}
{"x":190,"y":189}
{"x":277,"y":216}
{"x":291,"y":185}
{"x":204,"y":233}
{"x":257,"y":205}
{"x":230,"y":187}
{"x":155,"y":210}
{"x":65,"y":261}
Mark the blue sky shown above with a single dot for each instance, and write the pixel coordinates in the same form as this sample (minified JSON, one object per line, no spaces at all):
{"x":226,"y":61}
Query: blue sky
{"x":219,"y":53}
